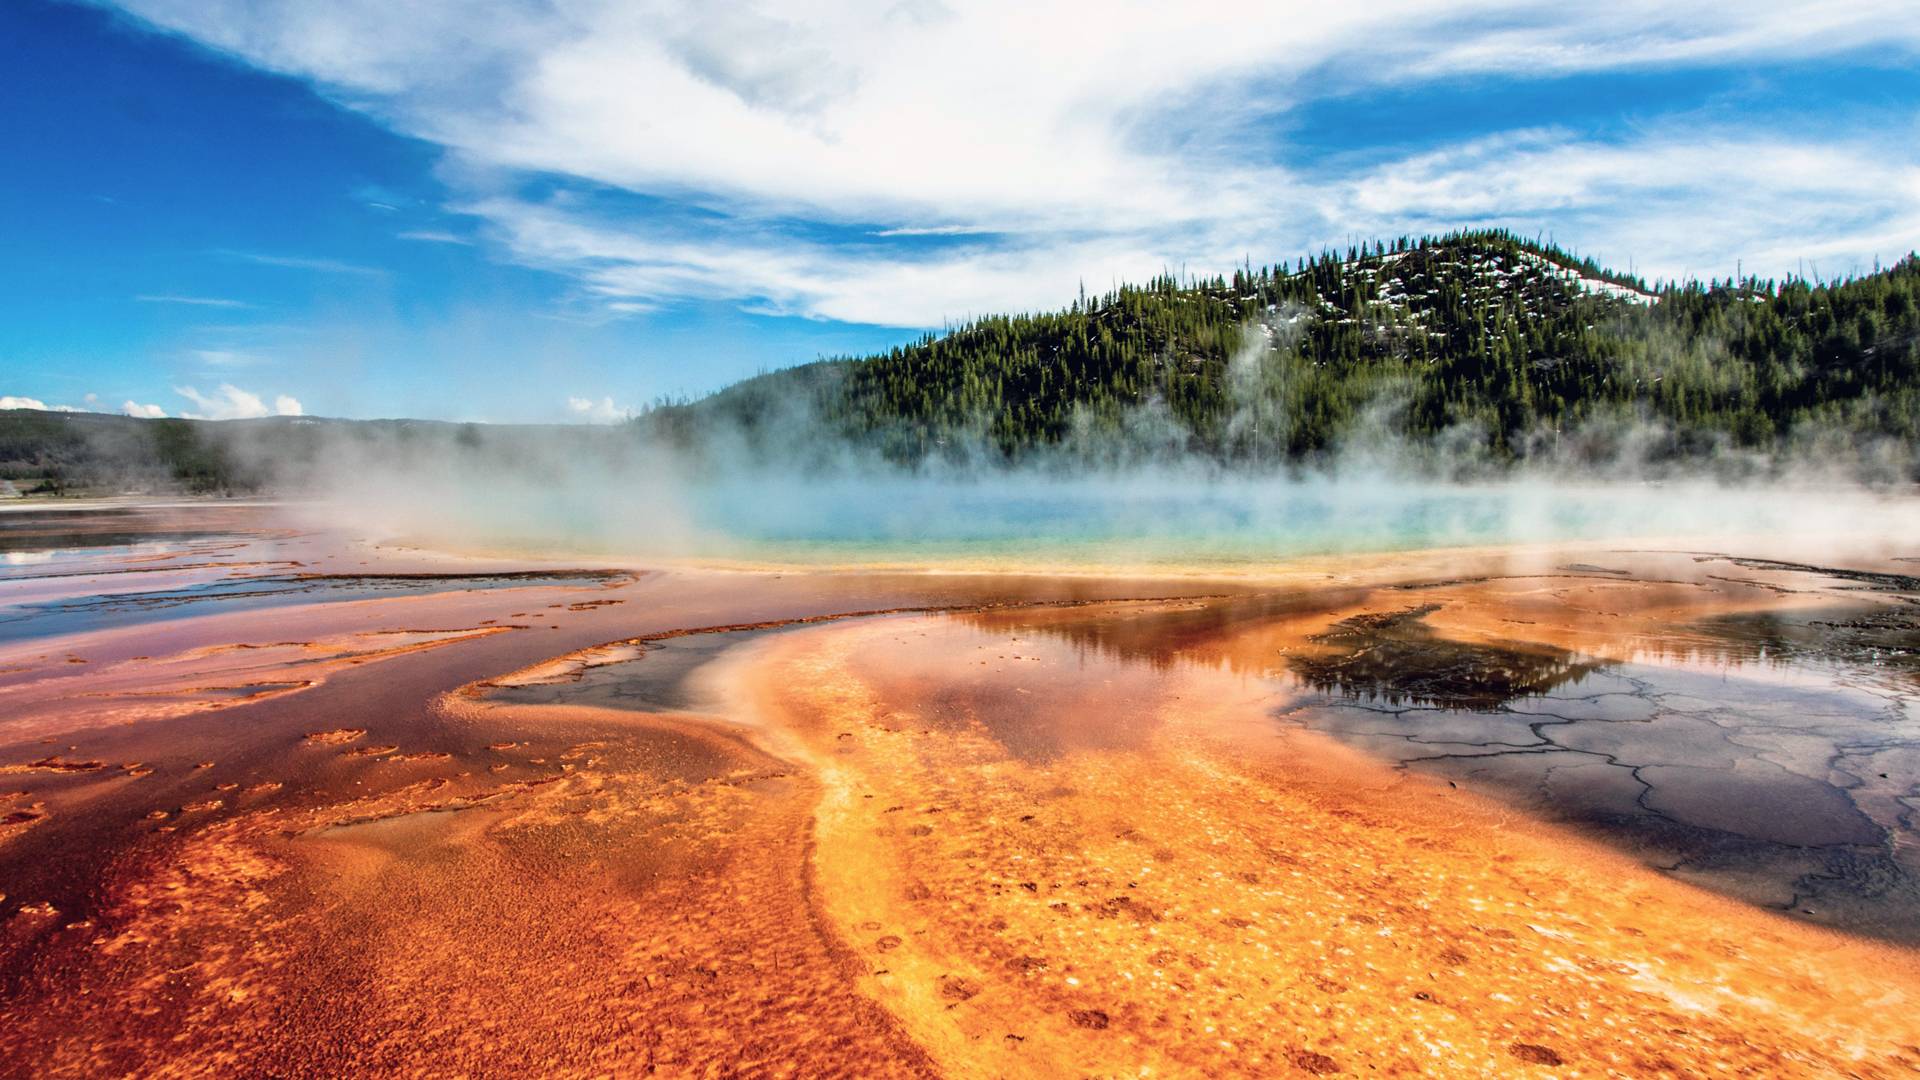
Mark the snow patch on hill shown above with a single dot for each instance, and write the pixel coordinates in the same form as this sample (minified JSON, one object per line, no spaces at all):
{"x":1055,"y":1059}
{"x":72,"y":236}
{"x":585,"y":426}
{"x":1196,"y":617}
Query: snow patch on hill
{"x":1596,"y":286}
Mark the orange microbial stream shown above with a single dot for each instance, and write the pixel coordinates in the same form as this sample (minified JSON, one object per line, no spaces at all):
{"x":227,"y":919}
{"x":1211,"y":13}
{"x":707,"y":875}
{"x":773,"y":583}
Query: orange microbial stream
{"x":874,"y":824}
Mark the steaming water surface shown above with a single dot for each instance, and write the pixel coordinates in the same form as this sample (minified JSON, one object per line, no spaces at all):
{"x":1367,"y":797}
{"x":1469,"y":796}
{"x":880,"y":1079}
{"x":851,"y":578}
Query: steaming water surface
{"x":1186,"y":524}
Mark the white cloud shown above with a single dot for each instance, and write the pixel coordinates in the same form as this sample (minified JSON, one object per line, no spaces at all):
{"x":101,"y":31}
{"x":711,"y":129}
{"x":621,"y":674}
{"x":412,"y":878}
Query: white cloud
{"x":11,"y":402}
{"x":1639,"y":34}
{"x":603,"y":411}
{"x":227,"y":358}
{"x":229,"y":402}
{"x":146,"y":412}
{"x":434,"y":236}
{"x":194,"y":301}
{"x":621,"y":264}
{"x":995,"y":154}
{"x":306,"y":262}
{"x":1677,"y":200}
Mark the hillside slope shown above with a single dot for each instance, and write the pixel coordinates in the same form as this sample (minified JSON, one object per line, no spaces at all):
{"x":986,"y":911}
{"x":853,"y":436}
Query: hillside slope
{"x":1483,"y":337}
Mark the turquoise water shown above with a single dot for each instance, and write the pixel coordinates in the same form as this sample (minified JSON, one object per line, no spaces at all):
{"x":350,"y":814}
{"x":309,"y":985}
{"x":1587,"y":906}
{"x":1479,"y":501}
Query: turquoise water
{"x":1214,"y":523}
{"x":1085,"y":521}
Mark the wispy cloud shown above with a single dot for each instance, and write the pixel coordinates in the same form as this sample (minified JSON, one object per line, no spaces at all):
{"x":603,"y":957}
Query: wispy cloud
{"x":935,"y":230}
{"x":1682,"y":201}
{"x":434,"y":236}
{"x":632,"y":267}
{"x":193,"y":301}
{"x":304,"y":262}
{"x":1124,"y":153}
{"x":228,"y":358}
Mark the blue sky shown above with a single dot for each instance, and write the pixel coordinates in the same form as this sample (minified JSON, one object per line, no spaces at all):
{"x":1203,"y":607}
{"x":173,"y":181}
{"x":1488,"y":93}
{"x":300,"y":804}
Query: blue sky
{"x":530,"y":210}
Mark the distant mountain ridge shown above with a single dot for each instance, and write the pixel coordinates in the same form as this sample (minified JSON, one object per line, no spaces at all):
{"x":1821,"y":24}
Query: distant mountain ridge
{"x":1499,"y":348}
{"x":45,"y":452}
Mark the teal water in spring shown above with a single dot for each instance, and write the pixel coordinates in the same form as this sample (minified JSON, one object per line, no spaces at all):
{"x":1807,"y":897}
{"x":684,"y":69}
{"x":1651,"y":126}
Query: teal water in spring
{"x":1213,"y":524}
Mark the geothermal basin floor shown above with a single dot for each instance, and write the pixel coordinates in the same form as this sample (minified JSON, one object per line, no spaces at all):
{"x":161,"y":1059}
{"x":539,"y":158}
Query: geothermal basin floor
{"x":1534,"y":813}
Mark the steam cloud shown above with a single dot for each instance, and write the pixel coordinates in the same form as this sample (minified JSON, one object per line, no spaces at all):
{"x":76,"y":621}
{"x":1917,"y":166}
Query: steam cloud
{"x":1115,"y":491}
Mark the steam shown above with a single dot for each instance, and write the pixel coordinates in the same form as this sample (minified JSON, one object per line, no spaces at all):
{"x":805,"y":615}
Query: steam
{"x":1126,"y":487}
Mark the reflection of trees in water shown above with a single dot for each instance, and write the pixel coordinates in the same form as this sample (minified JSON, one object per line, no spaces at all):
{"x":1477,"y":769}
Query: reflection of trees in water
{"x":1869,"y":636}
{"x":1165,"y":635}
{"x":1397,"y":670}
{"x":1393,"y":656}
{"x":1880,"y":632}
{"x":1875,"y":580}
{"x":1397,"y":657}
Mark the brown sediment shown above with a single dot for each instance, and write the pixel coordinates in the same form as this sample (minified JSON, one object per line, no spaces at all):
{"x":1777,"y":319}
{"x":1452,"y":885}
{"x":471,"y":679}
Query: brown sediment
{"x":53,"y":764}
{"x":336,"y":737}
{"x":168,"y":568}
{"x":371,"y":751}
{"x":597,"y":576}
{"x":212,"y":695}
{"x":146,"y":688}
{"x":19,"y":809}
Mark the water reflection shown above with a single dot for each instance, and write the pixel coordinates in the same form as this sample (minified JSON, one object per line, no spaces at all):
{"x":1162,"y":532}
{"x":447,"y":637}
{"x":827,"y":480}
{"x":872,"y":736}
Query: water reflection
{"x":1395,"y":657}
{"x":1771,"y":756}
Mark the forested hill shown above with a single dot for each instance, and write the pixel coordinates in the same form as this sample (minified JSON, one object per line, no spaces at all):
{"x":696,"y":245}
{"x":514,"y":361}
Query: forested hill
{"x":1482,"y":337}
